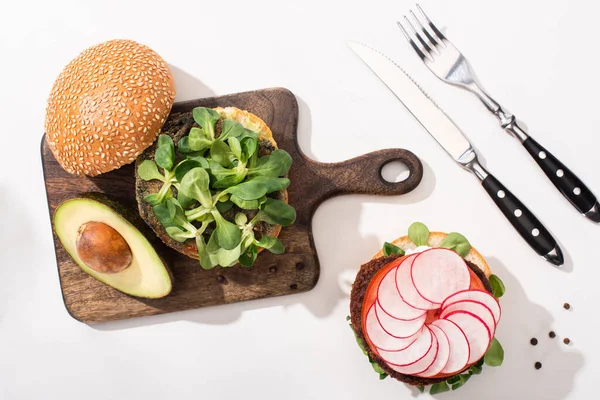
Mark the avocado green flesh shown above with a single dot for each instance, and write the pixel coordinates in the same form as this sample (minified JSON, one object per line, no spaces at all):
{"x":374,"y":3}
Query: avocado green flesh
{"x":146,"y":276}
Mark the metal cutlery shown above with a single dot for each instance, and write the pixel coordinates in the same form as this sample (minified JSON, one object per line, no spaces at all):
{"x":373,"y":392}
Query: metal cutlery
{"x":448,"y":64}
{"x":449,"y":136}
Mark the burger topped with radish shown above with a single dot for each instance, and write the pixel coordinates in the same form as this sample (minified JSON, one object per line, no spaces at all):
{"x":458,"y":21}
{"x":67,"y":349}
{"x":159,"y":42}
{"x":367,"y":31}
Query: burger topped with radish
{"x":425,"y":310}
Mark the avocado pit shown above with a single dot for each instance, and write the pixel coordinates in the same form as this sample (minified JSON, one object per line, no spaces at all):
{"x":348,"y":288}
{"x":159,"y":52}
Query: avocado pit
{"x":102,"y":248}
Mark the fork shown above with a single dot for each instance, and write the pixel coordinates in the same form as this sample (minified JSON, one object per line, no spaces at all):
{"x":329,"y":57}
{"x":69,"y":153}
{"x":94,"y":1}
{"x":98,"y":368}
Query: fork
{"x":447,"y":63}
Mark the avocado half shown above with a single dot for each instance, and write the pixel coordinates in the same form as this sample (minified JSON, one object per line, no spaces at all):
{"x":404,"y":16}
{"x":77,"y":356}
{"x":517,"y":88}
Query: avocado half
{"x":146,"y":276}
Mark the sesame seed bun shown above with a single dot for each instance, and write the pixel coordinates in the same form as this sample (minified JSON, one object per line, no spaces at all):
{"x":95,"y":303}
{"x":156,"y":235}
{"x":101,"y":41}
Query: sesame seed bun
{"x":177,"y":126}
{"x":107,"y":106}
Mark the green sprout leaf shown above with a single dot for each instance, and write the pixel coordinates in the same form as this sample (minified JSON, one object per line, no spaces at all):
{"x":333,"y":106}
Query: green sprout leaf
{"x":206,"y":118}
{"x":457,"y":242}
{"x":378,"y":369}
{"x":475,"y":370}
{"x":183,"y":145}
{"x":165,"y":214}
{"x":389,"y":249}
{"x":195,"y":185}
{"x":224,"y":206}
{"x":152,"y":199}
{"x":494,"y":356}
{"x":178,"y":234}
{"x":272,"y":244}
{"x":273,"y":184}
{"x":249,"y":147}
{"x":358,"y":340}
{"x":198,"y":140}
{"x":219,"y":255}
{"x":205,"y":260}
{"x":165,"y":152}
{"x":418,"y":234}
{"x":148,"y":171}
{"x":186,"y":202}
{"x":184,"y":167}
{"x":241,"y":219}
{"x":221,"y":153}
{"x":236,"y":147}
{"x":273,"y":165}
{"x":231,"y":129}
{"x":248,"y":204}
{"x":439,"y":387}
{"x":201,"y":160}
{"x":462,"y":379}
{"x":276,"y":212}
{"x":421,"y":389}
{"x":228,"y":235}
{"x":497,"y":285}
{"x":249,"y":256}
{"x":249,"y":190}
{"x":229,"y":181}
{"x":226,"y":177}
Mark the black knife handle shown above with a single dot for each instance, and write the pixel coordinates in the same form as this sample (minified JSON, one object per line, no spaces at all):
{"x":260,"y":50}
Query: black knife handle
{"x":563,"y":178}
{"x":523,"y":220}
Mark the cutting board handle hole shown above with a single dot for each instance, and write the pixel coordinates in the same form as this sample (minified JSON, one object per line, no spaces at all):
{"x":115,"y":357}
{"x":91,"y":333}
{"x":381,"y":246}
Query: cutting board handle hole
{"x":395,"y":171}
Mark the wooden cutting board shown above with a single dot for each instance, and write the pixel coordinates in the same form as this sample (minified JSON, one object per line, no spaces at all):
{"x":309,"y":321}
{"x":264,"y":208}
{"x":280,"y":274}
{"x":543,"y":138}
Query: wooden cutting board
{"x":90,"y":301}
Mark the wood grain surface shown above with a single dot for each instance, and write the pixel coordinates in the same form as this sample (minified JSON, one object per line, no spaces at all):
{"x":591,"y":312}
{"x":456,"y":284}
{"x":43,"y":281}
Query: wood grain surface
{"x":297,"y":270}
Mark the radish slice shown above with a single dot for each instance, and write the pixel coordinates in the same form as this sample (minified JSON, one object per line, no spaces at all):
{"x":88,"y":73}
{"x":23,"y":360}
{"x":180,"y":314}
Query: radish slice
{"x":380,"y":338}
{"x":439,"y":273}
{"x":412,"y":353}
{"x":423,"y":364}
{"x":459,"y":347}
{"x":476,"y":308}
{"x":443,"y":354}
{"x":391,"y":302}
{"x":477,"y":333}
{"x":397,"y":327}
{"x":476,"y":295}
{"x":407,"y":289}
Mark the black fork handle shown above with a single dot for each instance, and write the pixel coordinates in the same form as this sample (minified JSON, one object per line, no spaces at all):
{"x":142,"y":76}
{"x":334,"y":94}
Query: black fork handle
{"x":571,"y":187}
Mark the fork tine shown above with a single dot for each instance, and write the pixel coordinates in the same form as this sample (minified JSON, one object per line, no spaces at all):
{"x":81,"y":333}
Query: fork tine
{"x":419,"y":37}
{"x":435,"y":30}
{"x":432,"y":40}
{"x":411,"y":41}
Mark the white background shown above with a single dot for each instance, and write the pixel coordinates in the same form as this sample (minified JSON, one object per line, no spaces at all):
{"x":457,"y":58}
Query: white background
{"x":538,"y":58}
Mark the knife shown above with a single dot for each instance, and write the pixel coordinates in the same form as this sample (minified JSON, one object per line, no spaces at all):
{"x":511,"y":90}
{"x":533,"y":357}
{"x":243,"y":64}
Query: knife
{"x":450,"y":137}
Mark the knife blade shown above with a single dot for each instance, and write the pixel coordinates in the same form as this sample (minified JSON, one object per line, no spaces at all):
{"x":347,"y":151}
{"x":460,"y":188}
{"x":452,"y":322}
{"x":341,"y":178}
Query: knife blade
{"x":454,"y":142}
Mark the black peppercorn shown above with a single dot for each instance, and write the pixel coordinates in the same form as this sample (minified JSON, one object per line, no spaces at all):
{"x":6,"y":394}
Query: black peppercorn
{"x":552,"y":334}
{"x":533,"y":341}
{"x":538,"y":365}
{"x":567,"y":306}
